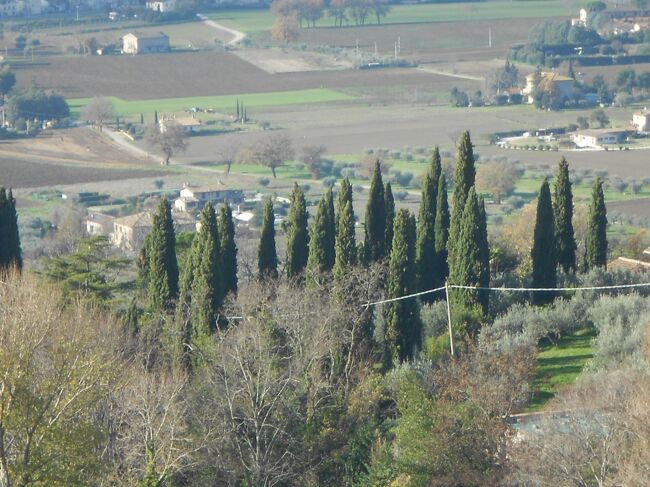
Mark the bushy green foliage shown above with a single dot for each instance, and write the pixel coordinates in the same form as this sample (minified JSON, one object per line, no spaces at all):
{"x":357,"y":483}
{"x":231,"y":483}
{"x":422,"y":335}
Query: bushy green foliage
{"x":10,"y":251}
{"x":426,"y":258}
{"x":596,"y":244}
{"x":228,"y":246}
{"x":563,"y":218}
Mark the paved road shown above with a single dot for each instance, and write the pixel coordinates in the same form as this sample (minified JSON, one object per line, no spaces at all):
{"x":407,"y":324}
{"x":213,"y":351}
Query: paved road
{"x":237,"y":35}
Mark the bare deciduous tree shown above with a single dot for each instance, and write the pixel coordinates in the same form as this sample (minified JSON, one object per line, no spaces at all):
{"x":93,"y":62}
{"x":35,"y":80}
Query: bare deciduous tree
{"x":56,"y":368}
{"x":97,"y":111}
{"x":151,"y":417}
{"x":271,"y":151}
{"x":170,"y":142}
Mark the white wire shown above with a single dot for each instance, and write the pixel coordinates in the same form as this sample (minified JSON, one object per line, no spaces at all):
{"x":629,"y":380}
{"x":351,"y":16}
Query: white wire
{"x":511,"y":289}
{"x":404,"y":297}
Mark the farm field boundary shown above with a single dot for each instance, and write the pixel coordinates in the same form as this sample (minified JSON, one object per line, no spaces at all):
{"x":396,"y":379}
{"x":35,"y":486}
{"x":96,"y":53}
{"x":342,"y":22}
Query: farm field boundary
{"x":249,"y":20}
{"x":226,"y":102}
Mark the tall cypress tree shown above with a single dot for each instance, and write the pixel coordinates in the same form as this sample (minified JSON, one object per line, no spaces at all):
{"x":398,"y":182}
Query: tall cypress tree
{"x":161,"y":256}
{"x":470,"y":267}
{"x":403,"y":328}
{"x":425,"y":263}
{"x":441,"y":232}
{"x":10,"y":251}
{"x":375,"y":221}
{"x":297,"y":236}
{"x":543,"y":253}
{"x":228,"y":246}
{"x":267,"y":258}
{"x":464,"y":178}
{"x":317,"y":260}
{"x":563,"y":214}
{"x":596,"y":242}
{"x":346,"y":248}
{"x":207,"y":286}
{"x":330,"y":233}
{"x":389,"y":204}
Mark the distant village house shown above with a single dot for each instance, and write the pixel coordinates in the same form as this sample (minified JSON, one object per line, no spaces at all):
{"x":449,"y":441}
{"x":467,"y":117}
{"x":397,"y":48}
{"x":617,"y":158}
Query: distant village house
{"x":189,"y":125}
{"x":549,"y":82}
{"x":641,"y":120}
{"x":130,"y":231}
{"x":162,"y":5}
{"x":596,"y":138}
{"x":196,"y":197}
{"x":138,"y":43}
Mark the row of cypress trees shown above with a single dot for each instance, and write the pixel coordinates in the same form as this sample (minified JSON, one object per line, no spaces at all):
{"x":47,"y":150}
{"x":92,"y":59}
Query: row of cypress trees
{"x":554,"y":243}
{"x":209,"y":273}
{"x":440,"y":246}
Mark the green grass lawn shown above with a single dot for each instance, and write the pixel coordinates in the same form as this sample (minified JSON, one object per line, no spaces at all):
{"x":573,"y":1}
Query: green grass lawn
{"x":560,"y":365}
{"x":126,"y":108}
{"x":258,"y":20}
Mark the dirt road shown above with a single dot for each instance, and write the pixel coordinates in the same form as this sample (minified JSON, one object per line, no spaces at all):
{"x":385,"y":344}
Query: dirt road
{"x":237,"y":35}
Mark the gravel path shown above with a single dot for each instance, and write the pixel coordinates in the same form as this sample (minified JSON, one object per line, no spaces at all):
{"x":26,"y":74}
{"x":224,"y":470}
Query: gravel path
{"x":237,"y":35}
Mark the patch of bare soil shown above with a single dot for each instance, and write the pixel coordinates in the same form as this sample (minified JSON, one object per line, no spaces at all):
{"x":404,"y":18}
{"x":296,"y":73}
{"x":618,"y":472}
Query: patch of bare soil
{"x":278,"y":60}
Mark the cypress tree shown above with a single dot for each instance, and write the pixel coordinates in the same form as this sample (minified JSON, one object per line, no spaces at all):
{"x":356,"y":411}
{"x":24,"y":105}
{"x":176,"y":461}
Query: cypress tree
{"x":142,"y":119}
{"x":464,"y":178}
{"x":441,"y":232}
{"x":346,"y":248}
{"x":375,"y":221}
{"x":390,"y":216}
{"x":344,"y":197}
{"x":228,"y":246}
{"x":426,"y":240}
{"x":297,"y":236}
{"x":317,"y":260}
{"x":596,"y":242}
{"x":155,"y":117}
{"x":267,"y":258}
{"x":330,"y":233}
{"x":161,"y":257}
{"x":543,"y":253}
{"x":563,"y":214}
{"x":403,"y":328}
{"x":10,"y":251}
{"x":470,"y":267}
{"x":207,"y":286}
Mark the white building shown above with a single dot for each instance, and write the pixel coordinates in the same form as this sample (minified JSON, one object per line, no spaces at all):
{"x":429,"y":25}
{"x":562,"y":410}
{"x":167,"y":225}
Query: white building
{"x":161,"y":5}
{"x":196,"y":197}
{"x":140,"y":43}
{"x":597,"y":138}
{"x":641,"y":120}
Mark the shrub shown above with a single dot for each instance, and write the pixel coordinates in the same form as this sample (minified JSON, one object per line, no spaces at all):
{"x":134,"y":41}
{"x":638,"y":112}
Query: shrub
{"x":329,"y":181}
{"x":263,"y":181}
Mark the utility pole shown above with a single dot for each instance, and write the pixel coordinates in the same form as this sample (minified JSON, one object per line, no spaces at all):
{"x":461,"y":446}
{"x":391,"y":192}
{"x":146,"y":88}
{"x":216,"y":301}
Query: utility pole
{"x":451,"y":334}
{"x":77,"y":13}
{"x":395,"y":50}
{"x":399,"y":44}
{"x":375,"y":48}
{"x":489,"y":36}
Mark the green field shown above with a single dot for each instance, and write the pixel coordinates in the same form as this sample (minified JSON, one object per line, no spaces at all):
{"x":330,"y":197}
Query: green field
{"x":259,"y":20}
{"x":127,"y":109}
{"x":559,"y":365}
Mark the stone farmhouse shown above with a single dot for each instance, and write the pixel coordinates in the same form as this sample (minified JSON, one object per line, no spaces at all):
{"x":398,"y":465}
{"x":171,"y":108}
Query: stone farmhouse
{"x":189,"y":125}
{"x":549,"y":82}
{"x":139,"y":43}
{"x":130,"y":231}
{"x":193,"y":198}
